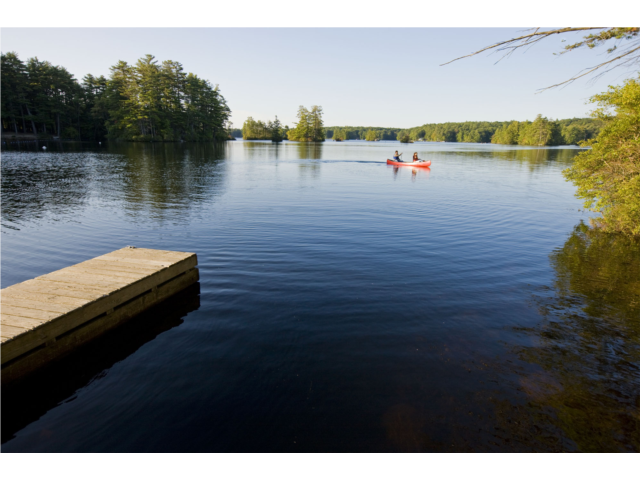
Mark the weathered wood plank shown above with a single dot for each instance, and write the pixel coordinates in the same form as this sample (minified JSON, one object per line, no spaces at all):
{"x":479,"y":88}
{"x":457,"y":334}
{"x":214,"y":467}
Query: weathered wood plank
{"x":94,"y":270}
{"x":38,"y":313}
{"x":135,"y":261}
{"x":57,"y":288}
{"x":21,"y":322}
{"x":119,"y":266}
{"x":91,"y":330}
{"x":99,"y":272}
{"x":41,"y":297}
{"x":36,"y":305}
{"x":28,"y":313}
{"x":11,"y":330}
{"x":83,"y":279}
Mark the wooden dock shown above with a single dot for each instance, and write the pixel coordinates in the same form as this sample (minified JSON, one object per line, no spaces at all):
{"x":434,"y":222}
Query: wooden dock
{"x":47,"y":317}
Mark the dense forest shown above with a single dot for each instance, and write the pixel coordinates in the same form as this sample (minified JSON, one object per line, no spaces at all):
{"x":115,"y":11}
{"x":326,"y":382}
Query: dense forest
{"x":147,"y":101}
{"x":540,"y":132}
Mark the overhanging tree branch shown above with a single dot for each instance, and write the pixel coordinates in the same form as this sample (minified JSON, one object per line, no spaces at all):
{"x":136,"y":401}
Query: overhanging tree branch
{"x":527,"y":40}
{"x":597,"y":67}
{"x":627,"y":57}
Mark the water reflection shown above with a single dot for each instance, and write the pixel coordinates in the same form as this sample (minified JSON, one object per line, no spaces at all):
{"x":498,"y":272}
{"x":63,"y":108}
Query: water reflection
{"x":422,"y":172}
{"x":309,"y":150}
{"x":31,"y":397}
{"x":150,"y":181}
{"x":259,"y":149}
{"x":534,"y":158}
{"x":37,"y":184}
{"x":165,"y":180}
{"x":589,"y":343}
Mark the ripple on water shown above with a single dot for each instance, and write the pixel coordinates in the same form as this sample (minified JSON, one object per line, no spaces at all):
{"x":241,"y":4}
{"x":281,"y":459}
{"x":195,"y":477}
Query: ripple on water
{"x":343,"y":305}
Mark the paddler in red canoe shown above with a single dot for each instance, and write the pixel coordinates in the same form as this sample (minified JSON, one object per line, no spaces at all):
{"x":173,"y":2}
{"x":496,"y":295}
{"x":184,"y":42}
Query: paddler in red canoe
{"x":396,"y":157}
{"x":416,"y":159}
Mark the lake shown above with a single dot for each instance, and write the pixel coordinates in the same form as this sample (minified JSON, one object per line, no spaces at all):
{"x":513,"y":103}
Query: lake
{"x":343,"y":305}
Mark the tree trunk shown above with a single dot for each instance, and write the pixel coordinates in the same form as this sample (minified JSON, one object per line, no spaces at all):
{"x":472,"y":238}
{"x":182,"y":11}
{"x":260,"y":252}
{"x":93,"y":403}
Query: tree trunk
{"x":33,"y":124}
{"x":58,"y":118}
{"x":79,"y":131}
{"x":24,"y":125}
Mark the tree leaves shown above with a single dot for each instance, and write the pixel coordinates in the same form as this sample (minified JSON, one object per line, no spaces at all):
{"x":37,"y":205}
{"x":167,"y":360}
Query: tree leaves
{"x":608,"y":175}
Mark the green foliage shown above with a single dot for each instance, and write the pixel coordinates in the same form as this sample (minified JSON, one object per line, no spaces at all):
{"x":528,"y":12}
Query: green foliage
{"x":339,"y":135}
{"x":145,"y":101}
{"x":597,"y":39}
{"x":507,"y":134}
{"x":608,"y":175}
{"x":161,"y":103}
{"x":259,"y":130}
{"x":255,"y":130}
{"x":360,"y":133}
{"x":310,"y":127}
{"x":40,"y":98}
{"x":277,"y":133}
{"x":541,"y":132}
{"x":404,"y":138}
{"x":372,"y":135}
{"x":549,"y":132}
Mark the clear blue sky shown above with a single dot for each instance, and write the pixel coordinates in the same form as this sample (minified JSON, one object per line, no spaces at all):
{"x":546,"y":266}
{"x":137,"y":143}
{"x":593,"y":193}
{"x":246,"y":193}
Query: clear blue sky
{"x":360,"y":76}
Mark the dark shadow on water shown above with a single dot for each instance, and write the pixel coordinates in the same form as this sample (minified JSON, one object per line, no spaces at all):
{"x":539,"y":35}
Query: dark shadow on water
{"x":26,"y":400}
{"x":588,"y":344}
{"x":573,"y":383}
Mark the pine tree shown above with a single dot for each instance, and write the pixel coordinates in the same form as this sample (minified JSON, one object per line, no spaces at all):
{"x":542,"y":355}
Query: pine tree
{"x":276,"y":131}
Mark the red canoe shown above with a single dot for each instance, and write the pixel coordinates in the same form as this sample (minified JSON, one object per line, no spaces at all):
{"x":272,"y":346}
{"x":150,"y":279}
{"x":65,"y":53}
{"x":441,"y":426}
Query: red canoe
{"x":403,"y":164}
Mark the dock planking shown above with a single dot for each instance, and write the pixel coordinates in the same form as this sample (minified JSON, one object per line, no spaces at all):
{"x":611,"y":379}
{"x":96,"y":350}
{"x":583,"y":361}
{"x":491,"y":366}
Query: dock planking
{"x":47,"y":317}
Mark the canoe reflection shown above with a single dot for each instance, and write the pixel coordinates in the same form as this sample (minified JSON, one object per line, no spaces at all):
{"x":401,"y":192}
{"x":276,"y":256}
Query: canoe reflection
{"x":422,"y":172}
{"x":32,"y":397}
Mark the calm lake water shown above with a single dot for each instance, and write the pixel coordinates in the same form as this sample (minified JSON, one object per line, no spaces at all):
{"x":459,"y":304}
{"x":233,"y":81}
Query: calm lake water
{"x":343,"y":304}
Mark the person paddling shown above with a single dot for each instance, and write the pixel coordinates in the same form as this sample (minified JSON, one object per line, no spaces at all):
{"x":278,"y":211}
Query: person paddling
{"x":396,"y":156}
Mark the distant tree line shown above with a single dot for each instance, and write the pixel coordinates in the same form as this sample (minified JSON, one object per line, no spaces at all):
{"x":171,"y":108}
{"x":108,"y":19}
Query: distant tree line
{"x":541,"y":132}
{"x":361,"y":133}
{"x":259,"y":130}
{"x":308,"y":129}
{"x":142,"y":102}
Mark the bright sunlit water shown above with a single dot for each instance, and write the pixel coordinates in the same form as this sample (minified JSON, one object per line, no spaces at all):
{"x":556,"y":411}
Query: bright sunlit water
{"x":343,"y":304}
